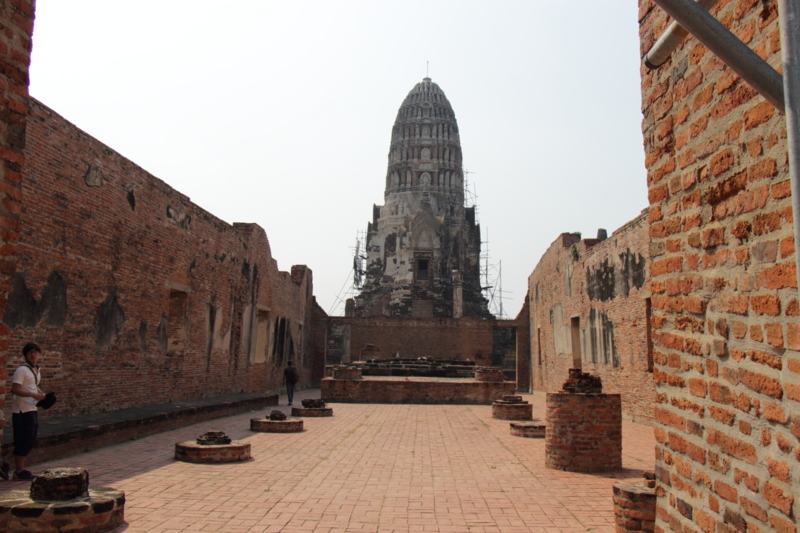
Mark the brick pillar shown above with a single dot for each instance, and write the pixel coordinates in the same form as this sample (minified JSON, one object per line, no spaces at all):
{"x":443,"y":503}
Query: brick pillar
{"x":584,"y":432}
{"x":16,"y":21}
{"x":634,"y":506}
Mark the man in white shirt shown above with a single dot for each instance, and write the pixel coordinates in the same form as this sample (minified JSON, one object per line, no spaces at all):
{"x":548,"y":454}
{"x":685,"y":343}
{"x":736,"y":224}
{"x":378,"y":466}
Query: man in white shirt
{"x":24,"y":418}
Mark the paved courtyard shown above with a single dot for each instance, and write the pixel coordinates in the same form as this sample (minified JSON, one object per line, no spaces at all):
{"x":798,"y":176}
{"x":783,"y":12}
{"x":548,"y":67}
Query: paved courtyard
{"x":369,"y":468}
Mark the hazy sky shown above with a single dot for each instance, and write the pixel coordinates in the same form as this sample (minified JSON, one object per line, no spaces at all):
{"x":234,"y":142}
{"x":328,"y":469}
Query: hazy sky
{"x":280,"y":112}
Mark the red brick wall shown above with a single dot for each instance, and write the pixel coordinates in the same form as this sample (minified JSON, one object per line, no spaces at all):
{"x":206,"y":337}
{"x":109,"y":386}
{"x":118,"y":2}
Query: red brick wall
{"x":16,"y":28}
{"x":438,"y":338}
{"x":105,"y":245}
{"x":426,"y":391}
{"x":724,"y":299}
{"x":601,"y":287}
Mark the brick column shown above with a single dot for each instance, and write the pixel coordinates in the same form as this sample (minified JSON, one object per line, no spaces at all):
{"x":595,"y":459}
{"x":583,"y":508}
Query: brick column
{"x":16,"y":28}
{"x":634,"y":506}
{"x":584,"y":432}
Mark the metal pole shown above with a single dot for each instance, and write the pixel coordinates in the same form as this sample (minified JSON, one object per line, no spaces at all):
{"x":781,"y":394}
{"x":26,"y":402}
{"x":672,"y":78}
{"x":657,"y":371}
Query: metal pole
{"x":726,"y":46}
{"x":669,"y":40}
{"x":789,"y":12}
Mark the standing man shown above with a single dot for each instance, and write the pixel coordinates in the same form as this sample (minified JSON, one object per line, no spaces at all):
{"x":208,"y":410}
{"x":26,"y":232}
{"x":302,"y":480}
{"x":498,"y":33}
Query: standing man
{"x":290,"y":379}
{"x":24,"y":419}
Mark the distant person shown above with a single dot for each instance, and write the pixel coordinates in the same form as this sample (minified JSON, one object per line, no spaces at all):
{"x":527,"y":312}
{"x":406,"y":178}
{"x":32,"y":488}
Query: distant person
{"x":290,"y":378}
{"x":24,"y":418}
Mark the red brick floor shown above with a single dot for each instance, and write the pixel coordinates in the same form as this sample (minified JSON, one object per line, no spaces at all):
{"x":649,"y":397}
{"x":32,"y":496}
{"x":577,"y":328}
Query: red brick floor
{"x":369,"y":468}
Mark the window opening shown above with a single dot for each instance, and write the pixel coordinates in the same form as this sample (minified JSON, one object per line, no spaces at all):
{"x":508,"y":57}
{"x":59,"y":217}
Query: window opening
{"x":422,"y":269}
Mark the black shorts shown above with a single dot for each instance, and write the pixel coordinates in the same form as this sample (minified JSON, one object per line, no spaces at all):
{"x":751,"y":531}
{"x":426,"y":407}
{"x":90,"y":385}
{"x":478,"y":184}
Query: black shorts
{"x":26,"y":429}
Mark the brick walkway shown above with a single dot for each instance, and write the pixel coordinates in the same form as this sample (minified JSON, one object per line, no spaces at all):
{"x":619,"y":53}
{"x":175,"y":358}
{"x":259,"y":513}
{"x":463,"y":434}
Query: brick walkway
{"x":369,"y":468}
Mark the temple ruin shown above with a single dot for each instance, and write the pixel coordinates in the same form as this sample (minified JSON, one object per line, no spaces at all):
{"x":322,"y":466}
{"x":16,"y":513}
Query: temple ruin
{"x":423,"y":245}
{"x":689,"y":314}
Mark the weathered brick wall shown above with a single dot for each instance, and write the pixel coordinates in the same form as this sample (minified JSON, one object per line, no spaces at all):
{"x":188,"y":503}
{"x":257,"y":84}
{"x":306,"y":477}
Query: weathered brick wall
{"x":137,"y":295}
{"x":16,"y":28}
{"x":416,"y":390}
{"x":466,"y":338}
{"x":724,"y":299}
{"x":598,"y":287}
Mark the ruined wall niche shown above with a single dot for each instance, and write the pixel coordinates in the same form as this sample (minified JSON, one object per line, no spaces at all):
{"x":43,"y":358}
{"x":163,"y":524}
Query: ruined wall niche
{"x":262,"y":336}
{"x":178,"y":217}
{"x":24,"y":310}
{"x":177,"y":322}
{"x":109,"y":321}
{"x":283,"y":345}
{"x":616,"y":276}
{"x":93,"y":176}
{"x":602,"y":346}
{"x":575,"y":341}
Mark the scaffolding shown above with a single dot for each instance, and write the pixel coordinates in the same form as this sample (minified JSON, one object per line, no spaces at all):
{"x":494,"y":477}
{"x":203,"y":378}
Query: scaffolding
{"x":491,"y":275}
{"x":355,"y":278}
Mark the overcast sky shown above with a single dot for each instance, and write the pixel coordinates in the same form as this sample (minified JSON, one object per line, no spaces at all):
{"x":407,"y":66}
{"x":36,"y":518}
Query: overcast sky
{"x":280,"y":112}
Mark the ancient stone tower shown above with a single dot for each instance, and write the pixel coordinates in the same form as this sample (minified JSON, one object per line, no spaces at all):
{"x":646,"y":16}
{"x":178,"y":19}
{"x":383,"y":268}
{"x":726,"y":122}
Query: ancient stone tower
{"x":423,"y":245}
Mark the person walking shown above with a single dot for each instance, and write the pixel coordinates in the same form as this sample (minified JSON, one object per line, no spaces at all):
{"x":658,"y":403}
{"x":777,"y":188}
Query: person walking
{"x":24,"y":418}
{"x":290,"y":378}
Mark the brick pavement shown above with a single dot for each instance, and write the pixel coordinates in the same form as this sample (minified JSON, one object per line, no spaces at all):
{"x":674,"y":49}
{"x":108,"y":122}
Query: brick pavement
{"x":369,"y":468}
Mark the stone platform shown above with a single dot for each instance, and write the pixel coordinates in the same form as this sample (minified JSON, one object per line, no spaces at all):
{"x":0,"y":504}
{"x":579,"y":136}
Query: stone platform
{"x":191,"y":452}
{"x":103,"y":510}
{"x":414,"y":390}
{"x":512,"y":408}
{"x":276,"y":426}
{"x":59,"y":500}
{"x":532,"y":429}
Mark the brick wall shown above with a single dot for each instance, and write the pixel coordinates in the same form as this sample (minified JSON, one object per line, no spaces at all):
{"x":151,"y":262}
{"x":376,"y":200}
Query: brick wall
{"x":16,"y":28}
{"x":466,"y":338}
{"x":422,"y":391}
{"x":137,"y":295}
{"x":588,"y":308}
{"x":724,"y":298}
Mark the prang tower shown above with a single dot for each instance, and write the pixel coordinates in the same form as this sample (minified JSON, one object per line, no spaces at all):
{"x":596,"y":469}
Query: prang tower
{"x":423,"y":245}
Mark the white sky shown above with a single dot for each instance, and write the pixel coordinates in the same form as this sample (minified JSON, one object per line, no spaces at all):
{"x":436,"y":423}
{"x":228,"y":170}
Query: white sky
{"x":280,"y":112}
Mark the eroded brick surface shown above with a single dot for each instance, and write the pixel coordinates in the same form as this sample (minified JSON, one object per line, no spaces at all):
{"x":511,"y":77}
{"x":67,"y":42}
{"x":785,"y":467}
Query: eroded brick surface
{"x":717,"y":162}
{"x":131,"y":287}
{"x":16,"y":25}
